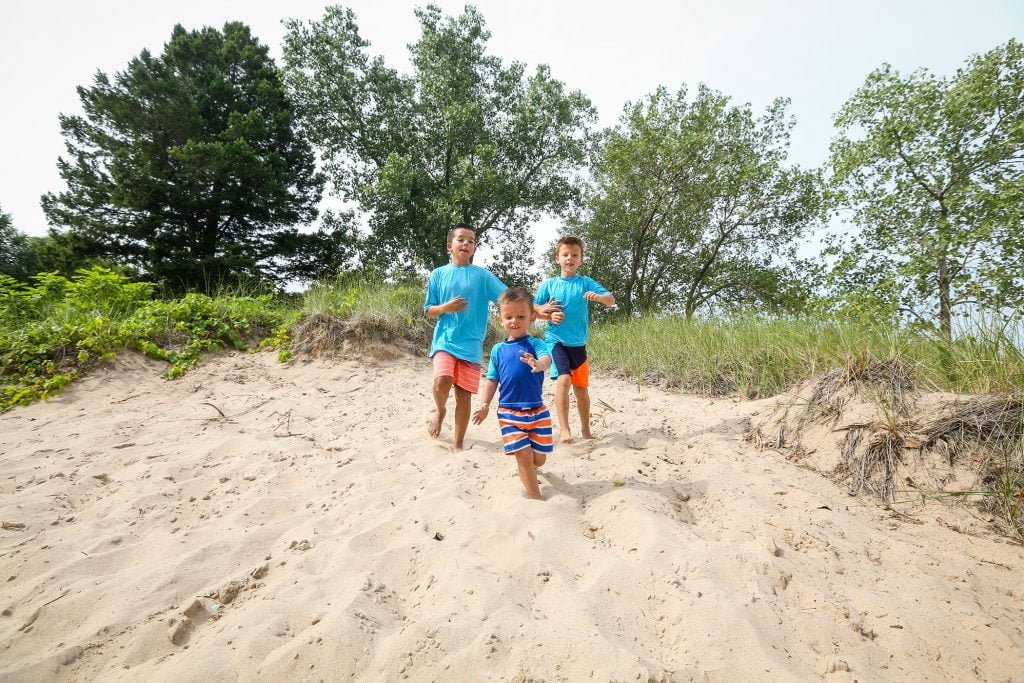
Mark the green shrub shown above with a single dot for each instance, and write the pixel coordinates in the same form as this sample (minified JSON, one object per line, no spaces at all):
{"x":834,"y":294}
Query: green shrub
{"x":53,"y":329}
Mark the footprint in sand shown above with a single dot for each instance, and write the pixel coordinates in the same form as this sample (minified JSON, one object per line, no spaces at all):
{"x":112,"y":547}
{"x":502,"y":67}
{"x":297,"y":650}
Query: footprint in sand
{"x":208,"y":606}
{"x":194,"y":615}
{"x":577,"y":448}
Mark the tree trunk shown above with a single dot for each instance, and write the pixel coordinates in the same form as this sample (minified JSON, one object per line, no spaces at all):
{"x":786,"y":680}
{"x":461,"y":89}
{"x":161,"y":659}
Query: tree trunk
{"x":945,"y":312}
{"x":945,"y":308}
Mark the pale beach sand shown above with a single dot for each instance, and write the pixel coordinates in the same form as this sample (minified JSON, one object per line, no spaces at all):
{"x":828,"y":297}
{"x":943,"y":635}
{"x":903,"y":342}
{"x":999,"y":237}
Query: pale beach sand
{"x":259,"y":521}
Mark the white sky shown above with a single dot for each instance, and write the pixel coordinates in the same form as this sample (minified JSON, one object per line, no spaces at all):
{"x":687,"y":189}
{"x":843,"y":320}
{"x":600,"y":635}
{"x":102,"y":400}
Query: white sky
{"x":816,"y":52}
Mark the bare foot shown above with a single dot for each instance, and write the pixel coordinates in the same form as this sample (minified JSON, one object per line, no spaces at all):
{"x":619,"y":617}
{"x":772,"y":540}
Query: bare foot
{"x":434,"y":423}
{"x":457,"y":448}
{"x":587,"y":436}
{"x":567,"y":438}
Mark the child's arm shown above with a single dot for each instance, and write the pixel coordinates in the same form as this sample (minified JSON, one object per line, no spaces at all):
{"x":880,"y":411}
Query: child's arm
{"x":453,"y":305}
{"x":548,"y":310}
{"x":608,"y":299}
{"x":485,"y":407}
{"x":538,"y":364}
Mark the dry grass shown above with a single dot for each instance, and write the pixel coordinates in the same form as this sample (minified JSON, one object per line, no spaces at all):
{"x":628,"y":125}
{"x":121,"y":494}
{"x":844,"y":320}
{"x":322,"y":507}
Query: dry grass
{"x":873,"y":468}
{"x":328,"y":335}
{"x":889,"y":381}
{"x":982,"y":435}
{"x":977,"y":421}
{"x":987,"y":433}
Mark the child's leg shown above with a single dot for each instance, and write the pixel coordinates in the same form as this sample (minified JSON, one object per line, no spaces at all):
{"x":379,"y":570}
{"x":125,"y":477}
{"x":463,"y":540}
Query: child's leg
{"x":539,"y":459}
{"x":442,"y":387}
{"x":463,"y":405}
{"x":527,"y":474}
{"x":562,"y":407}
{"x":583,"y":405}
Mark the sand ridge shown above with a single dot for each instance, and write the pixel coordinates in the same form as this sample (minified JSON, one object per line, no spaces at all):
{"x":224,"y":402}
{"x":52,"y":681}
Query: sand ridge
{"x":254,"y":520}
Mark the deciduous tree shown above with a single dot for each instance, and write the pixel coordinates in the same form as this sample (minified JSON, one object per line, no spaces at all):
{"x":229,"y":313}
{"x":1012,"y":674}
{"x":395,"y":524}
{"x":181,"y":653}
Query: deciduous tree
{"x":932,"y":169}
{"x":695,"y":208}
{"x":463,"y":138}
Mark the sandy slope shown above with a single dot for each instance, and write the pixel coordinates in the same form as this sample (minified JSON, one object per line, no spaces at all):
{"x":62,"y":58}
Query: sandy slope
{"x":314,"y":532}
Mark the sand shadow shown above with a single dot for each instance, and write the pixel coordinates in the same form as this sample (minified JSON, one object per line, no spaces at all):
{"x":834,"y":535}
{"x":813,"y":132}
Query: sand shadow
{"x":731,"y":426}
{"x":678,"y":494}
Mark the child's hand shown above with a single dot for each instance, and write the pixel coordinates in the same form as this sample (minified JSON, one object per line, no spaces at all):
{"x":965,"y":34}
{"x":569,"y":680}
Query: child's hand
{"x":455,"y":305}
{"x":550,"y":308}
{"x":531,"y":361}
{"x":481,"y":414}
{"x":591,"y":296}
{"x":557,"y":317}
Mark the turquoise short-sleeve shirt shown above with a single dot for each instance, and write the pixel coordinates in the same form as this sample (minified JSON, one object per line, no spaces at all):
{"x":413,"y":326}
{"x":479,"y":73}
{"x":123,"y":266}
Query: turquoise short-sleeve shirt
{"x":462,"y":334}
{"x":575,"y":328}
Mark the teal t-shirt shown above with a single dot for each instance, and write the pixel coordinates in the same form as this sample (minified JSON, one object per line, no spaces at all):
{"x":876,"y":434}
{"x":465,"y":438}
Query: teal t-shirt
{"x":569,"y":291}
{"x":462,"y":334}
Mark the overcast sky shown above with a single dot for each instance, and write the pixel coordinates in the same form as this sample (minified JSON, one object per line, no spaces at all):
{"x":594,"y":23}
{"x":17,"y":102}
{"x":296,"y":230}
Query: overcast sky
{"x":815,"y":52}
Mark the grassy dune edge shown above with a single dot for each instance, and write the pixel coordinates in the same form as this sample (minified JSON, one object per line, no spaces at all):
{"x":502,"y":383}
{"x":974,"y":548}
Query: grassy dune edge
{"x":54,"y":331}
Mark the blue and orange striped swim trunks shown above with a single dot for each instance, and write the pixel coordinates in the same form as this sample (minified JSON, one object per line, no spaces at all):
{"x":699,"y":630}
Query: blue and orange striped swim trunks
{"x":530,"y":427}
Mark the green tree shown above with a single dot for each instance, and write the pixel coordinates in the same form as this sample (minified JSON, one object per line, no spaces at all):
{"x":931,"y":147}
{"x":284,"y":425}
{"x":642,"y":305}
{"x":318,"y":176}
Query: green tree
{"x":933,"y":171}
{"x":693,"y":207}
{"x":188,"y":165}
{"x":12,"y":248}
{"x":464,"y":138}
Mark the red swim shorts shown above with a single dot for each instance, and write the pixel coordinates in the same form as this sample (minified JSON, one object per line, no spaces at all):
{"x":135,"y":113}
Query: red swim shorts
{"x":465,"y":374}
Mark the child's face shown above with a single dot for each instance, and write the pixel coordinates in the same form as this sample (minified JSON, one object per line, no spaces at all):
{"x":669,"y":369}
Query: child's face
{"x":462,"y":247}
{"x":515,"y":318}
{"x":569,"y":259}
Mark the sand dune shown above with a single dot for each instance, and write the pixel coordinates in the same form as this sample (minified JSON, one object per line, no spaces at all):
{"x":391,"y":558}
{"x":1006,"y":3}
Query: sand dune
{"x":259,"y":521}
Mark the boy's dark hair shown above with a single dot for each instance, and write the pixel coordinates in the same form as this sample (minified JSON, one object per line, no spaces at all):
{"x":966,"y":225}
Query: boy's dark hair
{"x":460,"y":226}
{"x":570,"y":241}
{"x":513,"y":294}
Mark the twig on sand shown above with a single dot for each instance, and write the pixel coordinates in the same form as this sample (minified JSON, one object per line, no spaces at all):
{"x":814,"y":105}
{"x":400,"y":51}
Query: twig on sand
{"x":858,"y":425}
{"x":221,"y":412}
{"x":998,"y":564}
{"x":57,"y":598}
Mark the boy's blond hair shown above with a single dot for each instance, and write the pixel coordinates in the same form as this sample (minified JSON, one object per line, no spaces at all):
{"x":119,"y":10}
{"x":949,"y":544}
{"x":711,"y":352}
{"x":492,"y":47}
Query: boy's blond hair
{"x":513,"y":294}
{"x":569,"y":241}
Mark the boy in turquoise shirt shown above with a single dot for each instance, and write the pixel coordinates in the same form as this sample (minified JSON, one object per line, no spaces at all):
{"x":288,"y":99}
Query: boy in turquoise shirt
{"x":564,"y":302}
{"x":457,"y":295}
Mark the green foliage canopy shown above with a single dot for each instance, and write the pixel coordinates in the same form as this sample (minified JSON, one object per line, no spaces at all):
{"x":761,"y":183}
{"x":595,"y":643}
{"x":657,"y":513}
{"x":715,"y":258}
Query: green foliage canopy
{"x":463,"y":138}
{"x":933,"y":171}
{"x":188,"y":165}
{"x":694,"y":207}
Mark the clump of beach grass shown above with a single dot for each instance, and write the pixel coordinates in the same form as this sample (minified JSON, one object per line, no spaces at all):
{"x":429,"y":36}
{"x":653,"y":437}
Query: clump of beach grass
{"x":986,"y":432}
{"x":361,"y":314}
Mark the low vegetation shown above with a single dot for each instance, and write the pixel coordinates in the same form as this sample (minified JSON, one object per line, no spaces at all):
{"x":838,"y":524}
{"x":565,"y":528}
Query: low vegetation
{"x":55,"y":329}
{"x":756,"y":358}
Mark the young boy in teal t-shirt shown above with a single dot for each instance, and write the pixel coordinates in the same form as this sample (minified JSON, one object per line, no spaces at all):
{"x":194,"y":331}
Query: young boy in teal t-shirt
{"x":564,"y":302}
{"x":457,"y":295}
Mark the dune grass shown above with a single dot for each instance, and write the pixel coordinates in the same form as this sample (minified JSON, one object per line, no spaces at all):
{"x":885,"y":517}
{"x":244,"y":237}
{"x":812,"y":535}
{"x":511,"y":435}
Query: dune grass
{"x":757,"y":358}
{"x":57,"y":328}
{"x":376,"y":317}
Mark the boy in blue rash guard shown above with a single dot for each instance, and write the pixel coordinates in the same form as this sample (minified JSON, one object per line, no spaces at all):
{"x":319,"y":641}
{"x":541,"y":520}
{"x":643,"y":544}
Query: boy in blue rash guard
{"x":565,"y":300}
{"x":457,"y":295}
{"x":517,"y":368}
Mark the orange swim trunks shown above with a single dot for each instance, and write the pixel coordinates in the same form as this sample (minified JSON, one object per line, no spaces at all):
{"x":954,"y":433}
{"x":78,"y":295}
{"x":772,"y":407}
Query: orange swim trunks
{"x":464,"y":373}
